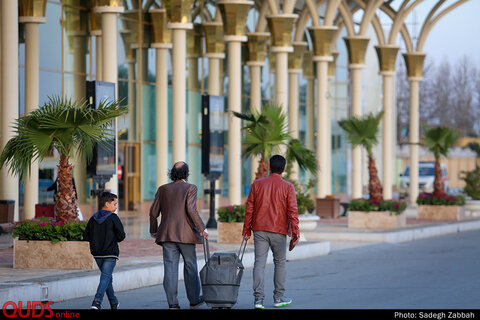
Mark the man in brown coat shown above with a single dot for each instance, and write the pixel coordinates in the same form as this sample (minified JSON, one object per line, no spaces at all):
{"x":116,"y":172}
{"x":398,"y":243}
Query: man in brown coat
{"x":180,"y":229}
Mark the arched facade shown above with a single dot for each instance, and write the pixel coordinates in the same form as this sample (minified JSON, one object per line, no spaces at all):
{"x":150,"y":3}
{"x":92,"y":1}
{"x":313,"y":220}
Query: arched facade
{"x":163,"y":55}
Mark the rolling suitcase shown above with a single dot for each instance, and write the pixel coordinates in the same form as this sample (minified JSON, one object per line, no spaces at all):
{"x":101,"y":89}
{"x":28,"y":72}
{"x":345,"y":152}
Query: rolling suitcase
{"x":221,"y":276}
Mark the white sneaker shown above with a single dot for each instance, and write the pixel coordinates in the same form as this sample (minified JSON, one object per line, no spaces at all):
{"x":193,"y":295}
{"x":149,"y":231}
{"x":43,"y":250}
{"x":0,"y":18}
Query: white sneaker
{"x":259,"y":304}
{"x":283,"y":301}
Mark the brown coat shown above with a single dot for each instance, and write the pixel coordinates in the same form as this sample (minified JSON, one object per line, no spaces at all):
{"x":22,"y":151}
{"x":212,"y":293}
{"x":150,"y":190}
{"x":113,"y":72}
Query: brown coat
{"x":180,"y":221}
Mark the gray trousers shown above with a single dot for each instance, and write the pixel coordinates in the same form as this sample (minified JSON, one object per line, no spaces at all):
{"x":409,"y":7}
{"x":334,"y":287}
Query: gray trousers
{"x":171,"y":257}
{"x":264,"y":241}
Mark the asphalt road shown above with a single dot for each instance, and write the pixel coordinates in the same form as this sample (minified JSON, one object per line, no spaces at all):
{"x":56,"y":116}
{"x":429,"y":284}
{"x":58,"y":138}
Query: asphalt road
{"x":425,"y":275}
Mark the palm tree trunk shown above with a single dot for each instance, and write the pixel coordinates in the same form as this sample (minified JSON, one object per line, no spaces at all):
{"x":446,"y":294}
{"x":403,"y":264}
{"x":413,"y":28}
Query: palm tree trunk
{"x":438,"y":183}
{"x":65,"y":201}
{"x":374,"y":186}
{"x":262,"y":170}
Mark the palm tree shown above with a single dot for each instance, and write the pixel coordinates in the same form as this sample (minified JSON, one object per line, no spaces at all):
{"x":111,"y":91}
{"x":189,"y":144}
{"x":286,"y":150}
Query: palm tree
{"x":266,"y":133}
{"x":363,"y":132}
{"x":68,"y":127}
{"x":439,"y":140}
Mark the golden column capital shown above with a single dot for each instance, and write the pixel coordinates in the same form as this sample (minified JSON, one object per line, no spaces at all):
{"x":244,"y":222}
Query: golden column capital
{"x":281,"y":27}
{"x":308,"y":65}
{"x":234,"y":16}
{"x":161,"y":35}
{"x":127,"y":44}
{"x":178,"y":13}
{"x":108,"y":6}
{"x":95,"y":22}
{"x":272,"y":60}
{"x":194,"y":41}
{"x":214,"y":44}
{"x":257,"y":43}
{"x":322,"y":37}
{"x":32,"y":11}
{"x":414,"y":62}
{"x":76,"y":14}
{"x":295,"y":58}
{"x":387,"y":57}
{"x":356,"y":46}
{"x":332,"y":65}
{"x":134,"y":23}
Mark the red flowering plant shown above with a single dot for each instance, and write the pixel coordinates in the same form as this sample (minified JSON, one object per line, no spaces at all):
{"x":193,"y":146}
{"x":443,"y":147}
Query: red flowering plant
{"x":440,"y":200}
{"x":394,"y":206}
{"x":231,"y":213}
{"x":49,"y":230}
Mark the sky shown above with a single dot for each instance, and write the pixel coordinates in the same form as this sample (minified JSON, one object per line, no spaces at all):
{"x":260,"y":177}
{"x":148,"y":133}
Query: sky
{"x":456,"y":34}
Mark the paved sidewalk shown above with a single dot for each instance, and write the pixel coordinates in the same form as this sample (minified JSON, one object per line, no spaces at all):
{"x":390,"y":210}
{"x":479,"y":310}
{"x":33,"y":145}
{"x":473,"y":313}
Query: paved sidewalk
{"x":140,"y":262}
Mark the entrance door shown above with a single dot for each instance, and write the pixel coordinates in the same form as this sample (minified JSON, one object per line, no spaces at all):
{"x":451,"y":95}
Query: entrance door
{"x":129,"y":184}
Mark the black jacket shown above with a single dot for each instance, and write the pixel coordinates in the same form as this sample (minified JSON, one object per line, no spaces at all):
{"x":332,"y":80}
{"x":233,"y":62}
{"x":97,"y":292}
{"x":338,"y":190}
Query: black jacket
{"x":104,"y":231}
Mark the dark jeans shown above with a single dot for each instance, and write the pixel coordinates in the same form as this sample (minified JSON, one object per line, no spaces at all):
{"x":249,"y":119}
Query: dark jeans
{"x":171,"y":257}
{"x":106,"y":266}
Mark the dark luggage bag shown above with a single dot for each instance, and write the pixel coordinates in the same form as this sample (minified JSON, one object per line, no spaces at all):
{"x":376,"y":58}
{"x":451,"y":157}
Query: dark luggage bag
{"x":221,"y":276}
{"x":45,"y":210}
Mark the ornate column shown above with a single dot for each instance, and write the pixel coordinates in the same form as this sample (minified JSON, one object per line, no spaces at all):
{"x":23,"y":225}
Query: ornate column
{"x":387,"y":56}
{"x":356,"y":47}
{"x":32,"y":14}
{"x":9,"y":90}
{"x":295,"y":60}
{"x":234,"y":16}
{"x":414,"y":62}
{"x":215,"y":52}
{"x":322,"y":37}
{"x":281,"y":27}
{"x":257,"y":42}
{"x":178,"y":13}
{"x":109,"y":9}
{"x":161,"y":41}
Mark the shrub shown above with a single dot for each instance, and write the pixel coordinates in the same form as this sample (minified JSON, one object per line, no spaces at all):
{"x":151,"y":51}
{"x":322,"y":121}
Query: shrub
{"x":441,"y":200}
{"x":231,"y":213}
{"x":472,"y":182}
{"x":394,"y":206}
{"x":49,"y":230}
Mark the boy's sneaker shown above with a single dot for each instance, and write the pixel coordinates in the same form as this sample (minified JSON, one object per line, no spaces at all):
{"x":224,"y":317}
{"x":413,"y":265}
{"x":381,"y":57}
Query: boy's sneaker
{"x":114,"y":306}
{"x":97,"y":305}
{"x":283,"y":301}
{"x":259,"y":304}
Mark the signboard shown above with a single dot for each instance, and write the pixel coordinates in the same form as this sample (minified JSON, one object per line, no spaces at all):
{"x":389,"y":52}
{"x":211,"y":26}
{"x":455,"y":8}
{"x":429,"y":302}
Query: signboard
{"x":103,"y":157}
{"x":213,"y":130}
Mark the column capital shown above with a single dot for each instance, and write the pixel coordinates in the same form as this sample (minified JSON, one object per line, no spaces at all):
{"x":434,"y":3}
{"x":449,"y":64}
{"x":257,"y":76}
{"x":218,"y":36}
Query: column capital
{"x":295,"y":59}
{"x":281,"y":27}
{"x":414,"y":62}
{"x":332,"y":64}
{"x":322,"y":37}
{"x":234,"y":16}
{"x":214,"y":44}
{"x":256,"y":43}
{"x":387,"y":57}
{"x":160,"y":33}
{"x":308,"y":66}
{"x":357,"y":47}
{"x":32,"y":11}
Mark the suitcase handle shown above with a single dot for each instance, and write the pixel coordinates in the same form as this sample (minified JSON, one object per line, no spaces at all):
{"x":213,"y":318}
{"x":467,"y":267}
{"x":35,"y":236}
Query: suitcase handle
{"x":206,"y":250}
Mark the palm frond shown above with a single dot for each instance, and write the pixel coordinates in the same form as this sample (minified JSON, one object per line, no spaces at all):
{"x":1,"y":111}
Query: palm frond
{"x":362,"y":131}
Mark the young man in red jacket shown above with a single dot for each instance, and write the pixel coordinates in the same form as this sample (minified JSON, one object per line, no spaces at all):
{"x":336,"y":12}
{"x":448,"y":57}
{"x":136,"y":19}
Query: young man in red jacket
{"x":271,"y":213}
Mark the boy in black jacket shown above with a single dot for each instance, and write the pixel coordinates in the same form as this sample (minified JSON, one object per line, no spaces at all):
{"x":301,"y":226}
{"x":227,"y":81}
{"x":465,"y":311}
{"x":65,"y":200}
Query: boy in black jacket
{"x":104,"y":230}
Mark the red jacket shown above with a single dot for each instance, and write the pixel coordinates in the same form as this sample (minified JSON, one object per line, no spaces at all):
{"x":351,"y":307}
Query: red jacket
{"x":271,"y":206}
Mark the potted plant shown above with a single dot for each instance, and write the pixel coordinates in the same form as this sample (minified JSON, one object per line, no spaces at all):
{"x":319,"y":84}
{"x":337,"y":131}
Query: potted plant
{"x":68,"y":127}
{"x":230,"y":223}
{"x":375,"y":212}
{"x":438,"y":205}
{"x":55,"y":245}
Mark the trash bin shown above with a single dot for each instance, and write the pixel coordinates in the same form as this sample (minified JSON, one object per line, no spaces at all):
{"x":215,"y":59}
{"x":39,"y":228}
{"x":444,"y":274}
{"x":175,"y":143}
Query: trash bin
{"x":7,"y":208}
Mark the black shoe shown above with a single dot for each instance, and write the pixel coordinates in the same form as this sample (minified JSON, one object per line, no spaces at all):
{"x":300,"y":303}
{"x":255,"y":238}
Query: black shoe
{"x":174,"y":306}
{"x":114,"y":306}
{"x":97,"y":305}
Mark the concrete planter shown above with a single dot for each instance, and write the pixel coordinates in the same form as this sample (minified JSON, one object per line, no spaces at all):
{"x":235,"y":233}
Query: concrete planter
{"x":430,"y":212}
{"x":376,"y":220}
{"x":29,"y":254}
{"x":307,"y":221}
{"x":472,"y":208}
{"x":230,"y":232}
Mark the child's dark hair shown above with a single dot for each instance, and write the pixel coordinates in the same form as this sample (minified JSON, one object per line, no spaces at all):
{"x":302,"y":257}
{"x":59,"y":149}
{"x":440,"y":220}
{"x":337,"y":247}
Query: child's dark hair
{"x":105,"y":197}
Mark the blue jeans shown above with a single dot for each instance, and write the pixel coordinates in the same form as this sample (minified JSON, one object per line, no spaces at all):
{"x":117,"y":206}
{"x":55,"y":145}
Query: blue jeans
{"x":106,"y":266}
